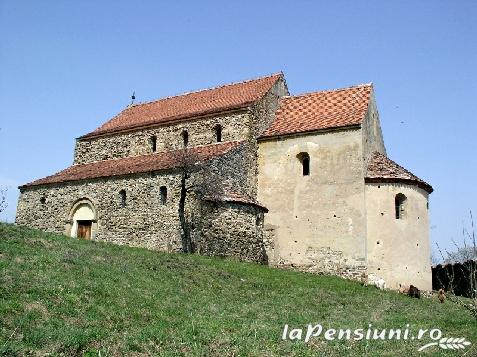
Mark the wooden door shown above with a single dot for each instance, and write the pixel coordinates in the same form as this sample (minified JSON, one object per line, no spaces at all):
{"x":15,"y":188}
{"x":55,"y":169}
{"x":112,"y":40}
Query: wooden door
{"x":84,"y":230}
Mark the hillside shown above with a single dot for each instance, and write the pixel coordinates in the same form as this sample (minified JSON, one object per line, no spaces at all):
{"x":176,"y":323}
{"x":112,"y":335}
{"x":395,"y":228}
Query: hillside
{"x":69,"y":297}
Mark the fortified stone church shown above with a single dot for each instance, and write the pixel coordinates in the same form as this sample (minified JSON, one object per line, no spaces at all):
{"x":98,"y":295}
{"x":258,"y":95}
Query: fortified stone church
{"x":289,"y":180}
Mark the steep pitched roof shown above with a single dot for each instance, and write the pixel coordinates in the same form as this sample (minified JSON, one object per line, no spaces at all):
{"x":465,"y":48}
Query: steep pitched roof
{"x":383,"y":169}
{"x":136,"y":164}
{"x":188,"y":105}
{"x":320,"y":110}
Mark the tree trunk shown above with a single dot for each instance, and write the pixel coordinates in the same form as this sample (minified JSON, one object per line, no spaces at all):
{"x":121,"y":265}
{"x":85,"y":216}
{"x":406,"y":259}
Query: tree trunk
{"x":185,"y":233}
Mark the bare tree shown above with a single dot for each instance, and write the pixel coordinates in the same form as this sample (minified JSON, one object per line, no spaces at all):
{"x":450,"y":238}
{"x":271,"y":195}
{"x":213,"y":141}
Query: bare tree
{"x":188,"y":163}
{"x":461,"y":264}
{"x":3,"y":200}
{"x":197,"y":180}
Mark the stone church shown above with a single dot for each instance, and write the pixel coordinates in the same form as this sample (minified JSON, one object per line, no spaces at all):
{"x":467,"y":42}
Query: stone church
{"x":297,"y":181}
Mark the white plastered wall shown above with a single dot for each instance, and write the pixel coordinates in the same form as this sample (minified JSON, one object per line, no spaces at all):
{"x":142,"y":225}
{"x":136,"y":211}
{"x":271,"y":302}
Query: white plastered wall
{"x":398,"y":249}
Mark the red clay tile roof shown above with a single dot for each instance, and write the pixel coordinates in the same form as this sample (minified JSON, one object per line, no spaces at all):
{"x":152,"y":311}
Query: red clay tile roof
{"x":135,"y":164}
{"x":234,"y":196}
{"x":207,"y":101}
{"x":320,"y":110}
{"x":383,"y":169}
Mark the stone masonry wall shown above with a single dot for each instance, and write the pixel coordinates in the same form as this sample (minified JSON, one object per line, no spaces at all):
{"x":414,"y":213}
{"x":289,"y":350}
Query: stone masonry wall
{"x":235,"y":126}
{"x":231,"y":229}
{"x":371,"y":129}
{"x":235,"y":170}
{"x":264,"y":110}
{"x":142,"y":222}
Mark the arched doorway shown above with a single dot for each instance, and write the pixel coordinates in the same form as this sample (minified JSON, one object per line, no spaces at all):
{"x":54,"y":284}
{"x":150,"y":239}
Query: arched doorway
{"x":83,"y":220}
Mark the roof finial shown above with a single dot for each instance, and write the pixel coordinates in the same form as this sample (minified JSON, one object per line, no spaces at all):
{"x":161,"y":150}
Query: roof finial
{"x":133,"y":97}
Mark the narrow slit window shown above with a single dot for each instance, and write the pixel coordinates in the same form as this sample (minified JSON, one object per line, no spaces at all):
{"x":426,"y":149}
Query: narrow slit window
{"x":163,"y":192}
{"x":400,"y":205}
{"x":154,"y":143}
{"x":122,"y":198}
{"x":185,"y":137}
{"x":218,"y":133}
{"x":304,"y":159}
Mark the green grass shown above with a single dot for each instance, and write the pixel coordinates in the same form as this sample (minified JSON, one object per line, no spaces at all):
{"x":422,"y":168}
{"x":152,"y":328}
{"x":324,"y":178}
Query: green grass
{"x":61,"y":296}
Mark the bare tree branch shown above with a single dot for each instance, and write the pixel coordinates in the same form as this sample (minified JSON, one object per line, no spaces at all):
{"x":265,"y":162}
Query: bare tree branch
{"x":3,"y":200}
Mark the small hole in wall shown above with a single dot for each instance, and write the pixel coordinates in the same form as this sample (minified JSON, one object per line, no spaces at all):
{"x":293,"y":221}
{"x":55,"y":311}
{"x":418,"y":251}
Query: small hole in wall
{"x":296,"y":241}
{"x":379,"y":186}
{"x":377,"y":242}
{"x":417,"y":245}
{"x":382,"y":214}
{"x":296,"y":216}
{"x":379,"y":268}
{"x":417,"y":217}
{"x":406,"y":268}
{"x":334,"y":215}
{"x":43,"y":200}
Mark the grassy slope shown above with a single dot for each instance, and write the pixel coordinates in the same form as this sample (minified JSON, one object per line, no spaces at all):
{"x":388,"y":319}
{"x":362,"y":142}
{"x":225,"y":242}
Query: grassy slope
{"x":63,"y":296}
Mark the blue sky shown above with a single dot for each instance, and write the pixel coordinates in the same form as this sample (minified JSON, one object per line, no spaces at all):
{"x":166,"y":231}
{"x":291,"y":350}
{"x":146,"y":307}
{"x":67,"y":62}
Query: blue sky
{"x":68,"y":66}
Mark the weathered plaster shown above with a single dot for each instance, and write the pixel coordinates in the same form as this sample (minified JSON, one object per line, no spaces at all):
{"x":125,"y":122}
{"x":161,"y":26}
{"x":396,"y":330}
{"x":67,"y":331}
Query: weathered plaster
{"x":398,"y":249}
{"x":318,"y":221}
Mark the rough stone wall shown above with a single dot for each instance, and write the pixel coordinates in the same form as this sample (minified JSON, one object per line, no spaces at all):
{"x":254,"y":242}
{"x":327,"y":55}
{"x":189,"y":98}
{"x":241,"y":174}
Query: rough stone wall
{"x":230,"y":230}
{"x":142,"y":222}
{"x":263,"y":115}
{"x":316,"y":222}
{"x":371,"y":129}
{"x":235,"y":170}
{"x":398,"y":249}
{"x":235,"y":126}
{"x":264,"y":110}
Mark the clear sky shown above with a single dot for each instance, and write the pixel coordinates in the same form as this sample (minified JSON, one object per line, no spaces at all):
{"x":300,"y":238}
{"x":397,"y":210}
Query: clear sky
{"x":68,"y":66}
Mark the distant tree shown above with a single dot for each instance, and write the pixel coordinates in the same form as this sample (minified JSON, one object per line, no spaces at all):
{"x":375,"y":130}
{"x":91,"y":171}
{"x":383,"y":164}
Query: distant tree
{"x":461,"y":255}
{"x":3,"y":199}
{"x":465,"y":257}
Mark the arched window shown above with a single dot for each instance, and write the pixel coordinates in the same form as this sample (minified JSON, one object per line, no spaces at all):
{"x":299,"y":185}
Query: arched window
{"x":163,"y":191}
{"x":122,"y":198}
{"x":304,"y":159}
{"x":185,"y":137}
{"x":400,"y":205}
{"x":218,"y":133}
{"x":153,"y":143}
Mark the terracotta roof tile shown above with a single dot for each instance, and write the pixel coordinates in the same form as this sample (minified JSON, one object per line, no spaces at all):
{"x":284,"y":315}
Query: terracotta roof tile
{"x":383,"y":169}
{"x":234,"y":196}
{"x":207,"y":101}
{"x":320,"y":110}
{"x":135,"y":164}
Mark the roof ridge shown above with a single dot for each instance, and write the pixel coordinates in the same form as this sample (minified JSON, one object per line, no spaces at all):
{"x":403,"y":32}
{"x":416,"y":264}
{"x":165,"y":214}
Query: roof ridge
{"x":205,"y":89}
{"x":369,"y":84}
